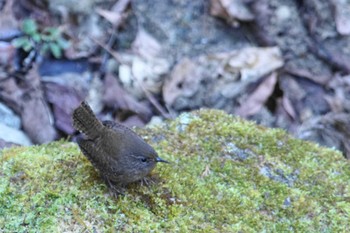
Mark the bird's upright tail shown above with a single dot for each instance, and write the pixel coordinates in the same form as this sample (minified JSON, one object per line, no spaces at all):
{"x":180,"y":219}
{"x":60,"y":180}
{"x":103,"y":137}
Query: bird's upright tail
{"x":86,"y":122}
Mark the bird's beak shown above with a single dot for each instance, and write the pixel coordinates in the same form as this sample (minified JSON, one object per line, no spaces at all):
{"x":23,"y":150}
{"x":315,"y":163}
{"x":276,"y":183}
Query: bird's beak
{"x":158,"y":159}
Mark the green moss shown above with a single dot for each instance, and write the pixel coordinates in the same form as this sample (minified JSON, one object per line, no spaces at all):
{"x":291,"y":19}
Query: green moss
{"x":226,"y":174}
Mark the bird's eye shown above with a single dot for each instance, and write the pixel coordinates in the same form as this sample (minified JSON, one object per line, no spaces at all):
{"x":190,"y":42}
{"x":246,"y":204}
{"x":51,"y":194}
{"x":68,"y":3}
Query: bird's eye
{"x":143,"y":160}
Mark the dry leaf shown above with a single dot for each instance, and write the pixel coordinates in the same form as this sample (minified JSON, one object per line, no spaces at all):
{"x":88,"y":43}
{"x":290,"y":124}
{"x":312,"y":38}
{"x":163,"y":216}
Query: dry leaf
{"x":258,"y":98}
{"x":340,"y":100}
{"x":65,"y":99}
{"x":146,"y":45}
{"x":7,"y":53}
{"x":120,"y":6}
{"x":26,"y":99}
{"x":288,"y":107}
{"x":116,"y":97}
{"x":299,"y":72}
{"x":7,"y":17}
{"x":331,"y":130}
{"x":36,"y":116}
{"x":255,"y":62}
{"x":231,"y":10}
{"x":184,"y":81}
{"x":114,"y":18}
{"x":145,"y":68}
{"x":342,"y":16}
{"x":216,"y":79}
{"x":116,"y":15}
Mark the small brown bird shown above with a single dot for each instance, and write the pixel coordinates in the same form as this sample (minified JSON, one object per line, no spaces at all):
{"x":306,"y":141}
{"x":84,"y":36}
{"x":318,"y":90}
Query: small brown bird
{"x":118,"y":153}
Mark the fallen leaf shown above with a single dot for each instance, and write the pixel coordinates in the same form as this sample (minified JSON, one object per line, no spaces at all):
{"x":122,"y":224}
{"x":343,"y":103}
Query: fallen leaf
{"x":120,"y":6}
{"x":64,"y":99}
{"x":288,"y":107}
{"x":342,"y":16}
{"x":7,"y":16}
{"x":143,"y":69}
{"x":253,"y":62}
{"x":331,"y":130}
{"x":134,"y":120}
{"x":114,"y":18}
{"x":215,"y":80}
{"x":117,"y":98}
{"x":257,"y":99}
{"x":146,"y":45}
{"x":231,"y":10}
{"x":184,"y":81}
{"x":7,"y":53}
{"x":299,"y":72}
{"x":36,"y":116}
{"x":116,"y":15}
{"x":26,"y":98}
{"x":339,"y":101}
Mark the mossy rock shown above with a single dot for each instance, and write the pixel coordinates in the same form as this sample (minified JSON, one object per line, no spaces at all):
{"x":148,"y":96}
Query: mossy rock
{"x":226,"y":175}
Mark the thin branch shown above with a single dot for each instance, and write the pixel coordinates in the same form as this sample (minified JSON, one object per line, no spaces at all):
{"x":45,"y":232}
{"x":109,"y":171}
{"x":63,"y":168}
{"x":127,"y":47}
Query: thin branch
{"x":149,"y":96}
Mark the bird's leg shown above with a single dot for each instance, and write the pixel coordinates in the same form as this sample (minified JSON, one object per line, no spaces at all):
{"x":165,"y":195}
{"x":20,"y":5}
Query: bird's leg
{"x":146,"y":181}
{"x":114,"y":189}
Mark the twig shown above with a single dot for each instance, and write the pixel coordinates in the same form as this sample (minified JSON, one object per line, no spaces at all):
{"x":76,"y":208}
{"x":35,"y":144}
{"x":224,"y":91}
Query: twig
{"x":149,"y":96}
{"x":106,"y":54}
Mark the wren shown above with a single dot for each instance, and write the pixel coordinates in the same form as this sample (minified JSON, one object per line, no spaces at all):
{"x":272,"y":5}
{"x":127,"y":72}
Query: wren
{"x":118,"y":153}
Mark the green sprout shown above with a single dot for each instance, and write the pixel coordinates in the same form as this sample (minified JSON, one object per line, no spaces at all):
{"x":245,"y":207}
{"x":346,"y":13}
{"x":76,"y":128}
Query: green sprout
{"x":49,"y":39}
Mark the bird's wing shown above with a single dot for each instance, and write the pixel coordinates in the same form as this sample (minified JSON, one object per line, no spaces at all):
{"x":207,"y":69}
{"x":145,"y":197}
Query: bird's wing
{"x":119,"y":128}
{"x":96,"y":156}
{"x":118,"y":140}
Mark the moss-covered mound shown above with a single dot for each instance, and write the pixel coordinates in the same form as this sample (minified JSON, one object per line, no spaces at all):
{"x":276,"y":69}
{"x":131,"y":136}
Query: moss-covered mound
{"x":225,"y":175}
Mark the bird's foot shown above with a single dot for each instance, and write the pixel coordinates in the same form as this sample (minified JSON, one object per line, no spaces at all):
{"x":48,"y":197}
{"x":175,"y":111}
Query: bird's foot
{"x":146,"y":181}
{"x":114,"y":189}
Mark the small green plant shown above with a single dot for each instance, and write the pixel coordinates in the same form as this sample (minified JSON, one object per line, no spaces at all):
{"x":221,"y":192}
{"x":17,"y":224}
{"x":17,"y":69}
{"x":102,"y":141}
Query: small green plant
{"x":47,"y":40}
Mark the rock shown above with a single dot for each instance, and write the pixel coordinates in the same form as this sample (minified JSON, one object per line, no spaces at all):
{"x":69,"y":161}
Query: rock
{"x":331,"y":130}
{"x":185,"y":28}
{"x":8,"y":117}
{"x":225,"y":175}
{"x":13,"y":135}
{"x":25,"y":96}
{"x":220,"y":80}
{"x":4,"y":144}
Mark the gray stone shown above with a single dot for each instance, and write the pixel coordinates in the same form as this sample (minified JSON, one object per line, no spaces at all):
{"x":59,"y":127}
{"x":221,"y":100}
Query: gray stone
{"x":13,"y":135}
{"x":8,"y":117}
{"x":185,"y":28}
